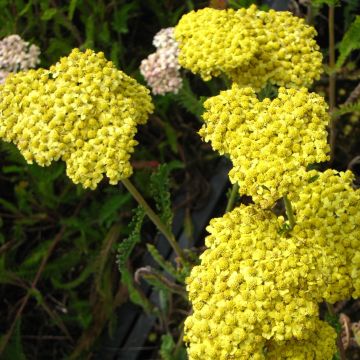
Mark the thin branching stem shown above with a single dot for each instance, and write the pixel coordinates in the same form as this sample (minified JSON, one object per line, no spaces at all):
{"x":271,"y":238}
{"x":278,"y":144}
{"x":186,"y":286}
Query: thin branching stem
{"x":155,"y":219}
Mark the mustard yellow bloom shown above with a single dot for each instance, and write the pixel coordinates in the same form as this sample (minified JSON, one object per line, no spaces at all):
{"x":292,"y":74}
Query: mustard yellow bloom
{"x":82,"y":110}
{"x":258,"y":290}
{"x":270,"y":143}
{"x":250,"y":46}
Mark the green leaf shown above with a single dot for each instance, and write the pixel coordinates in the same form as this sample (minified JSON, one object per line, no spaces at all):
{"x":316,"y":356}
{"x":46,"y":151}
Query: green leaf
{"x":160,"y":190}
{"x":350,"y":42}
{"x":171,"y":136}
{"x":72,"y":7}
{"x":9,"y":206}
{"x":26,"y":8}
{"x":169,"y":350}
{"x":165,"y":265}
{"x":14,"y":349}
{"x":188,"y":100}
{"x":48,"y":14}
{"x":121,"y":17}
{"x":124,"y":251}
{"x":346,"y":109}
{"x":84,"y":275}
{"x":109,"y":210}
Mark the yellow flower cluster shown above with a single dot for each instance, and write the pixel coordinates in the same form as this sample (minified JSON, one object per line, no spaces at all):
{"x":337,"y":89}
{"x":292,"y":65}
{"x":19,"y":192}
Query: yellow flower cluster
{"x":269,"y":142}
{"x":250,"y":46}
{"x":257,"y":291}
{"x":82,"y":110}
{"x":327,"y":212}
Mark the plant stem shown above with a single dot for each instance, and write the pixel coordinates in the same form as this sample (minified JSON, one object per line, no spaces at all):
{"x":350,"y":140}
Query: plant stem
{"x":155,"y":219}
{"x":339,"y":342}
{"x":289,"y":212}
{"x":332,"y":79}
{"x":232,"y":198}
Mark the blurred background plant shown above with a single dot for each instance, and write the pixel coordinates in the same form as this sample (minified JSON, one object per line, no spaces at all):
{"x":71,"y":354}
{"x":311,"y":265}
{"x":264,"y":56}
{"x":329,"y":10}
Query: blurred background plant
{"x":60,"y":284}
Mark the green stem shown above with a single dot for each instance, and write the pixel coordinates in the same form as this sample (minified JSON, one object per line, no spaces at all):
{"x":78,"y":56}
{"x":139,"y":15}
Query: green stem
{"x":232,"y":198}
{"x":332,"y":80}
{"x":289,"y":212}
{"x":155,"y":219}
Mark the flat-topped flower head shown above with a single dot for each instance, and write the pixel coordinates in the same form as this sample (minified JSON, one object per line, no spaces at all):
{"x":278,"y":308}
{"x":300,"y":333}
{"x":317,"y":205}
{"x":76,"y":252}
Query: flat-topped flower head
{"x":82,"y":110}
{"x":250,"y":46}
{"x":269,"y":142}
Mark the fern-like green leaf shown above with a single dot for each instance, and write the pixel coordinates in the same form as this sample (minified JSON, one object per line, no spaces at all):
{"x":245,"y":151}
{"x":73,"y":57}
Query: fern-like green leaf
{"x":165,"y":265}
{"x":350,"y":42}
{"x":188,"y":100}
{"x":125,"y":249}
{"x":346,"y":109}
{"x":160,"y":190}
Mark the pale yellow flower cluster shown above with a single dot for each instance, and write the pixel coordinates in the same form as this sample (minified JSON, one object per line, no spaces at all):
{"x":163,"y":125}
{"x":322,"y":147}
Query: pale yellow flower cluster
{"x":269,"y":142}
{"x":257,"y":291}
{"x":250,"y":46}
{"x":82,"y":110}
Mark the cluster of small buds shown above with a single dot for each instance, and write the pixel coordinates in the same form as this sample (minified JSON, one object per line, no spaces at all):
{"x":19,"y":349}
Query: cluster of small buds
{"x":257,"y":291}
{"x":250,"y":46}
{"x":270,"y":142}
{"x":161,"y":69}
{"x":82,"y":110}
{"x":16,"y":54}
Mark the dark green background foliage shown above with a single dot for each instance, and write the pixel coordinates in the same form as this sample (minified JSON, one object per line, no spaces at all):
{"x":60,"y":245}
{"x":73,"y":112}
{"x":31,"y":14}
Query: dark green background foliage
{"x":46,"y":220}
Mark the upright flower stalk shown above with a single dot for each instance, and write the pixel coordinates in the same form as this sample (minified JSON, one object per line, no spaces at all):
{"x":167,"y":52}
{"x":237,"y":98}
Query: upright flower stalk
{"x":155,"y":219}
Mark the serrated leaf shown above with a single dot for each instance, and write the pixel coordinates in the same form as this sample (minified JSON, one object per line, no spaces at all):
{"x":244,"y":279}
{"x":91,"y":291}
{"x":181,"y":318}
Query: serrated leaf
{"x":160,"y":190}
{"x":124,"y":251}
{"x":165,"y":265}
{"x":188,"y":100}
{"x":346,"y":109}
{"x":350,"y":42}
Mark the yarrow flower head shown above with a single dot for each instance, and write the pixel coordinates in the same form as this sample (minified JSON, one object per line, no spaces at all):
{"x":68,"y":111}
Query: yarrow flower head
{"x":269,"y":142}
{"x":250,"y":46}
{"x":82,"y":110}
{"x":16,"y":54}
{"x":161,"y":69}
{"x":258,"y":288}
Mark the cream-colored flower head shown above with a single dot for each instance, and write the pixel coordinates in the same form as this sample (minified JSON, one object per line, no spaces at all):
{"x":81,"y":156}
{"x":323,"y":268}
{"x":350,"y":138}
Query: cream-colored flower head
{"x":269,"y":142}
{"x":161,"y":68}
{"x":82,"y":110}
{"x":250,"y":46}
{"x":16,"y":54}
